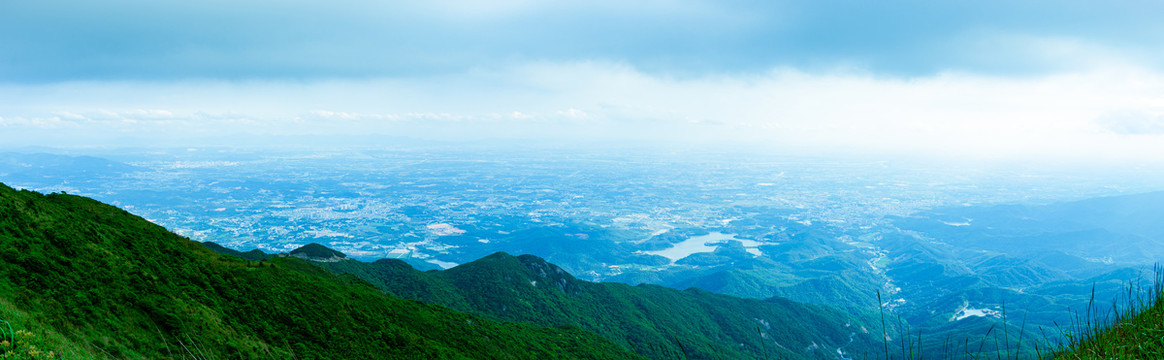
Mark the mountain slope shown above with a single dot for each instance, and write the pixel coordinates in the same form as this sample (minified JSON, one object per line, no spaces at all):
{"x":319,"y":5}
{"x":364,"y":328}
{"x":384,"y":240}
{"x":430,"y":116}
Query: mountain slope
{"x":652,"y":320}
{"x":1137,"y":331}
{"x":99,"y":282}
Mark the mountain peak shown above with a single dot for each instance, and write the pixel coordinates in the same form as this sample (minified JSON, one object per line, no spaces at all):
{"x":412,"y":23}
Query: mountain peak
{"x":254,"y":254}
{"x":542,"y":267}
{"x":318,"y":252}
{"x":499,"y":256}
{"x":519,"y":269}
{"x":551,"y":274}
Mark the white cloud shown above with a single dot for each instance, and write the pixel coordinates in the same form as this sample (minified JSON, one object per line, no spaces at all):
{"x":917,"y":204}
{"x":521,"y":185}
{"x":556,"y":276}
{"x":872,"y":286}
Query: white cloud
{"x":1133,"y":122}
{"x":573,"y":113}
{"x":994,"y":49}
{"x":1066,"y":114}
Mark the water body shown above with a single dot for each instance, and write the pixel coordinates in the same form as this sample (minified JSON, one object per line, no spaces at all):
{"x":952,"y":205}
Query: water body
{"x":964,"y":223}
{"x":969,"y":312}
{"x":703,"y":243}
{"x":443,"y":264}
{"x":751,"y":246}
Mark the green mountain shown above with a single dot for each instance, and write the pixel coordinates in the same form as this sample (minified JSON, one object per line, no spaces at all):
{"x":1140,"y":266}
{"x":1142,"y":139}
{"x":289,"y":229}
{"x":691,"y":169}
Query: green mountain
{"x":254,"y":255}
{"x":657,"y":322}
{"x":317,"y":252}
{"x":86,"y":280}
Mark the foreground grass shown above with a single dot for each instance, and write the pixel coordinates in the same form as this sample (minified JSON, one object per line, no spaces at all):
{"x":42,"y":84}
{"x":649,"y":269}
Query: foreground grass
{"x":22,"y":344}
{"x":1132,"y":327}
{"x":21,"y":337}
{"x":1135,"y":330}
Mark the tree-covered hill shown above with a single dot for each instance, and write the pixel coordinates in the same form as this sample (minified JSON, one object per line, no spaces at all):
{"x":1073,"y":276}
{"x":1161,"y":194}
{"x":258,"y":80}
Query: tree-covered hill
{"x":316,"y":252}
{"x":87,"y":280}
{"x":652,"y":320}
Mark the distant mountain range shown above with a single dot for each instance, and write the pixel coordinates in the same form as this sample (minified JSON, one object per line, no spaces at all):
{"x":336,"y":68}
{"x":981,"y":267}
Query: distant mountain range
{"x":1119,"y":229}
{"x":40,"y":166}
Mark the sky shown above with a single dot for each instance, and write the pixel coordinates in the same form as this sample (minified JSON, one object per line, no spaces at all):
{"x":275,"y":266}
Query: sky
{"x":989,"y":79}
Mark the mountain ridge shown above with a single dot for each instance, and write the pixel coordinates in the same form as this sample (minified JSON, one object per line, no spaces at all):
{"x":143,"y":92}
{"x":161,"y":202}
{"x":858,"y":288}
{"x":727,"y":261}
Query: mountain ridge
{"x":649,"y":319}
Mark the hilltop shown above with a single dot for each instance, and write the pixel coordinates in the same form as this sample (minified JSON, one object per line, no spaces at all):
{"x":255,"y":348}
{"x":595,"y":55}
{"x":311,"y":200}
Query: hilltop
{"x":317,"y":252}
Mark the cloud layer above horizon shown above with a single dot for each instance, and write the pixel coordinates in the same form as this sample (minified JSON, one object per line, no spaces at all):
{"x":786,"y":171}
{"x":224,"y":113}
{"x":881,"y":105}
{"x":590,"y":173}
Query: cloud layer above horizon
{"x":993,"y":78}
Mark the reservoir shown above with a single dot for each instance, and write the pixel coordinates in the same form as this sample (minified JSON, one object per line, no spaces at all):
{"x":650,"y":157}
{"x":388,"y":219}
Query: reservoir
{"x":702,"y":243}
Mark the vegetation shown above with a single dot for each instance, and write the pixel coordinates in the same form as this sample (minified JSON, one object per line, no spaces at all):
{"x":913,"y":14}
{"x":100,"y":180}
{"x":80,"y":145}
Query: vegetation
{"x":655,"y":321}
{"x":21,"y":344}
{"x":1134,"y":330}
{"x":254,"y":255}
{"x":315,"y":251}
{"x":80,"y":279}
{"x":92,"y":281}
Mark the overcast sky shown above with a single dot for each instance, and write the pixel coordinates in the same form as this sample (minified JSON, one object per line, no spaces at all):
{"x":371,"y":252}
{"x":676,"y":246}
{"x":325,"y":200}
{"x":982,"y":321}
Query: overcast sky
{"x":964,"y":78}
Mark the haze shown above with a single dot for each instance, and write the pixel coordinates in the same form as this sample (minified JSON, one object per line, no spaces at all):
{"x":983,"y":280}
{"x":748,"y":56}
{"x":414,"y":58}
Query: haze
{"x":1074,"y":81}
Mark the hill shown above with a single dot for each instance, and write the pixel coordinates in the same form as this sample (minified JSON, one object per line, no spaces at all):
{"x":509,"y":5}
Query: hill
{"x":86,"y":280}
{"x":254,"y":255}
{"x":39,"y":166}
{"x":317,"y":252}
{"x":649,"y":319}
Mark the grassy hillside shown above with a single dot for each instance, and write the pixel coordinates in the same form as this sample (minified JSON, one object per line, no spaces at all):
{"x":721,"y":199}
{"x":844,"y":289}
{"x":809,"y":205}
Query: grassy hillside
{"x":657,"y":322}
{"x":1136,"y":330}
{"x":87,"y":280}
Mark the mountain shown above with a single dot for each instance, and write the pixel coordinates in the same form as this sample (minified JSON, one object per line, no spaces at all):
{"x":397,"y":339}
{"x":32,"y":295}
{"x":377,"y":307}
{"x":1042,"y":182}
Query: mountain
{"x":655,"y":321}
{"x":317,"y":252}
{"x":1120,"y":229}
{"x":254,"y":255}
{"x":40,"y":166}
{"x":86,"y":280}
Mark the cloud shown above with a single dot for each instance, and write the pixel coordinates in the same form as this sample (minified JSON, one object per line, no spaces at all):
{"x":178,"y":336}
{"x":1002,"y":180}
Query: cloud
{"x":1073,"y":114}
{"x":139,"y":40}
{"x":573,"y":113}
{"x":1133,"y":122}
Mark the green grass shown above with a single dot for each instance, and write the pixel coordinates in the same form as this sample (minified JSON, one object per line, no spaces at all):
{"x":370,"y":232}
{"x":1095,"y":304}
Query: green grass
{"x":1133,"y":329}
{"x":22,"y":344}
{"x":17,"y":342}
